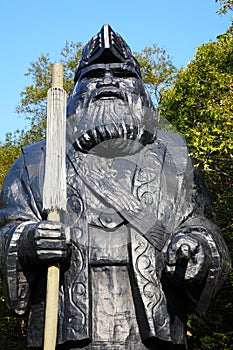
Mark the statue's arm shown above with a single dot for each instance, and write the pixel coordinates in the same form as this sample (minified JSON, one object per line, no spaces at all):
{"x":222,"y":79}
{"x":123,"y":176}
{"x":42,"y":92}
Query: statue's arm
{"x":28,"y":243}
{"x":197,"y":255}
{"x":18,"y":210}
{"x":198,"y":260}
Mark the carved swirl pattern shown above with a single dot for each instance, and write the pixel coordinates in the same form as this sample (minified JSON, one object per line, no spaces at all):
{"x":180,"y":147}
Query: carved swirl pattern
{"x":150,"y":287}
{"x":145,"y":266}
{"x":77,"y":276}
{"x":78,"y":291}
{"x":147,"y":179}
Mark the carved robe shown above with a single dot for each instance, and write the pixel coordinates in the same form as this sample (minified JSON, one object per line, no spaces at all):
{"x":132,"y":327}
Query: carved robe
{"x":122,"y":212}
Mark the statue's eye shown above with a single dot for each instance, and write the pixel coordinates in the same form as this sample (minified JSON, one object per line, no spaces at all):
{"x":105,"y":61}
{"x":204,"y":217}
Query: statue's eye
{"x":124,"y":73}
{"x":93,"y":74}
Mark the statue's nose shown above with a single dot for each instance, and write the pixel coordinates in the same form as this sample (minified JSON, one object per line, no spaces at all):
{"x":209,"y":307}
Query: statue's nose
{"x":107,"y":80}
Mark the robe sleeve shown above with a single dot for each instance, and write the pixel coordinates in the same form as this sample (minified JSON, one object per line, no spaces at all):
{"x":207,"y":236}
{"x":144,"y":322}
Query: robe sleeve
{"x":193,"y":215}
{"x":18,"y":209}
{"x":200,"y":221}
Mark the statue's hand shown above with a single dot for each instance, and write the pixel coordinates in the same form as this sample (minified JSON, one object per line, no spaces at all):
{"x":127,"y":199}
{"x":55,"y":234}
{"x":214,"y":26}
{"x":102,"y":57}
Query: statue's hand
{"x":188,"y":259}
{"x":43,"y":242}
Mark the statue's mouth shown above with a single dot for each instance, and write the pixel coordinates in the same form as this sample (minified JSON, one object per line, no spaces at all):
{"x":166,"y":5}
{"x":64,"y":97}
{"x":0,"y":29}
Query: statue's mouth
{"x":108,"y":93}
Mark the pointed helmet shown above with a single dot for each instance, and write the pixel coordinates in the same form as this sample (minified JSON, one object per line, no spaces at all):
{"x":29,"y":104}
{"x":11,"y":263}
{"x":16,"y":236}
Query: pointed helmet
{"x":107,"y":47}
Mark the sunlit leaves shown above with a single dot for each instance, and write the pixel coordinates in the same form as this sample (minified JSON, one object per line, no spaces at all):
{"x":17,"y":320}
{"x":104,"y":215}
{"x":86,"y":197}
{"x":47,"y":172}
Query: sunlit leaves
{"x":200,"y":102}
{"x":157,"y":69}
{"x":200,"y":105}
{"x":8,"y":154}
{"x":34,"y":96}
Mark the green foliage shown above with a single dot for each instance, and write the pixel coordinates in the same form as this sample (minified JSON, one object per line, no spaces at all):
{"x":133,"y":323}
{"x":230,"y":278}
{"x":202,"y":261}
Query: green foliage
{"x":199,"y":105}
{"x":34,"y":96}
{"x":8,"y":154}
{"x":157,"y":69}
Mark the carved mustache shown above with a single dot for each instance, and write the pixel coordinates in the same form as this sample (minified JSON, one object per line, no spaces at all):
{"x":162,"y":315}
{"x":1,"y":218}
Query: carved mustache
{"x":91,"y":138}
{"x":108,"y":92}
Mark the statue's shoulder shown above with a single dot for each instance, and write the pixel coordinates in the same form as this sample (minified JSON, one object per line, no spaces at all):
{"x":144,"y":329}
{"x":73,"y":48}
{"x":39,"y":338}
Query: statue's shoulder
{"x":34,"y":157}
{"x":28,"y":163}
{"x":175,"y":150}
{"x":34,"y":150}
{"x":30,"y":155}
{"x":171,"y":139}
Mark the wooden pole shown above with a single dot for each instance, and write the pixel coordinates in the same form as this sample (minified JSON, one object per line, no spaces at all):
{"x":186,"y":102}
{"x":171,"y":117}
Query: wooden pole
{"x":57,"y":75}
{"x":54,"y":191}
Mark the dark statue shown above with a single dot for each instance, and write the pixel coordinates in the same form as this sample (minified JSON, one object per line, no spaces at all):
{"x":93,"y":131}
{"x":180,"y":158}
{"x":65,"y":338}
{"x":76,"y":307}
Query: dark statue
{"x":138,"y":244}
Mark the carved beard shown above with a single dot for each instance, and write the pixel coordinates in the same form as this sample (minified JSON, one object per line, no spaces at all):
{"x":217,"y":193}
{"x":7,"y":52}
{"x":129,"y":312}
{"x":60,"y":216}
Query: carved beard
{"x":113,"y":126}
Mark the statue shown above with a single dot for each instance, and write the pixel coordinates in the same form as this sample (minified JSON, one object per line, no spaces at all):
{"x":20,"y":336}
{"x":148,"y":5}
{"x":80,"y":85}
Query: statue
{"x":137,"y":245}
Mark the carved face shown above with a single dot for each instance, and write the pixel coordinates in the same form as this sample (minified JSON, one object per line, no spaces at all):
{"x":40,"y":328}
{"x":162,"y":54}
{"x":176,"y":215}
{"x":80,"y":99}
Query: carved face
{"x":110,"y":110}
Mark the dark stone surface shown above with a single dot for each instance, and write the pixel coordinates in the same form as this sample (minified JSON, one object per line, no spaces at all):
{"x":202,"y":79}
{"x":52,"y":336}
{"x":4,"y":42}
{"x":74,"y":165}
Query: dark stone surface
{"x":138,"y":244}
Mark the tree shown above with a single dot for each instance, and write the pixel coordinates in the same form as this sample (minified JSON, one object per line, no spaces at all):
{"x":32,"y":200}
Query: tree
{"x":8,"y":154}
{"x":33,"y":97}
{"x":199,"y":105}
{"x":157,"y":69}
{"x":225,"y":6}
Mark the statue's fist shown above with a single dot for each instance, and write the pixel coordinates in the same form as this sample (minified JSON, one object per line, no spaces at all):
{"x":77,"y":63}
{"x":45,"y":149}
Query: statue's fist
{"x":188,"y":258}
{"x":45,"y":241}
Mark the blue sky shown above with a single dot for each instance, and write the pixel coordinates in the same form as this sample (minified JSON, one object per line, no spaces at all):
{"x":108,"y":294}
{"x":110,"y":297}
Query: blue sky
{"x":29,"y":28}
